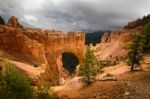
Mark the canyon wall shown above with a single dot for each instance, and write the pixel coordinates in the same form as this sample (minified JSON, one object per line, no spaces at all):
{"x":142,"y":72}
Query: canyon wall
{"x":43,"y":46}
{"x":113,"y":45}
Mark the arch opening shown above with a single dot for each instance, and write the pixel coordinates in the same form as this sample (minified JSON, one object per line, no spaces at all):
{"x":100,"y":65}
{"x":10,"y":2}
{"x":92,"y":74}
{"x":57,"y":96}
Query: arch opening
{"x":70,"y":61}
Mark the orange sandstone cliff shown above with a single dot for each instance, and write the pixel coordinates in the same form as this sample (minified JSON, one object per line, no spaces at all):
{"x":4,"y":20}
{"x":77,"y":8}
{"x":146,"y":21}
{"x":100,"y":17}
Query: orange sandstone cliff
{"x":43,"y":47}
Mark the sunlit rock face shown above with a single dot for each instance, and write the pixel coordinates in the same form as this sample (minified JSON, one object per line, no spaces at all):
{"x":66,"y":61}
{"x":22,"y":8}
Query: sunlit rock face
{"x":44,"y":46}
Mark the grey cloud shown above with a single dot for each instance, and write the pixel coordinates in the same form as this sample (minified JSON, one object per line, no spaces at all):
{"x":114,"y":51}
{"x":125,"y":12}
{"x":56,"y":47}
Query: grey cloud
{"x":76,"y":15}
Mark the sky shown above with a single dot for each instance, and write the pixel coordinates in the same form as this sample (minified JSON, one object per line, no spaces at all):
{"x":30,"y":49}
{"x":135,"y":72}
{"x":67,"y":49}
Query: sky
{"x":75,"y":15}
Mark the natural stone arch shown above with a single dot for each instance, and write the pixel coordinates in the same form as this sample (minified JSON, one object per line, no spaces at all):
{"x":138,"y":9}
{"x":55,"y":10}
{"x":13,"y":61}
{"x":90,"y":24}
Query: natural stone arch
{"x":63,"y":73}
{"x":44,"y":47}
{"x":59,"y":62}
{"x":70,"y":61}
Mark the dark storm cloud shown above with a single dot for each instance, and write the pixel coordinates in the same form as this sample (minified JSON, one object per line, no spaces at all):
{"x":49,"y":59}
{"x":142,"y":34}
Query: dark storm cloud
{"x":75,"y":14}
{"x":9,"y":8}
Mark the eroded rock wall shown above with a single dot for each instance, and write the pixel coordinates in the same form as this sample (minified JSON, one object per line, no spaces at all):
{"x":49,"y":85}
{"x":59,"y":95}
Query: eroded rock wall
{"x":114,"y":45}
{"x":43,"y":46}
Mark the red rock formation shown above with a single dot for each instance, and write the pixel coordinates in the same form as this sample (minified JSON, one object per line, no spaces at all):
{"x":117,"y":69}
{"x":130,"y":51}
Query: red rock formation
{"x":43,"y":46}
{"x":13,"y":21}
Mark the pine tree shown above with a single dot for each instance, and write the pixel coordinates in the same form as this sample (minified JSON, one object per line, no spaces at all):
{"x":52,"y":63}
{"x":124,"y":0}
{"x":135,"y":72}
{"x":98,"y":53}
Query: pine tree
{"x":2,"y":21}
{"x":89,"y":66}
{"x":145,"y":38}
{"x":135,"y":53}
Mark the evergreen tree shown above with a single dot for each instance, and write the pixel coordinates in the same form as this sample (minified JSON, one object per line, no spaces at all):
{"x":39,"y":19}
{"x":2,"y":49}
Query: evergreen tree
{"x":135,"y":53}
{"x":2,"y":21}
{"x":89,"y":66}
{"x":145,"y":38}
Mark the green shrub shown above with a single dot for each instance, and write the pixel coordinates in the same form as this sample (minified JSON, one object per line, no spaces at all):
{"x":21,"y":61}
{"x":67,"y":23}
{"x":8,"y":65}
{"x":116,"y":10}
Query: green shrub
{"x":91,"y":66}
{"x":14,"y":85}
{"x":106,"y":63}
{"x":45,"y":94}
